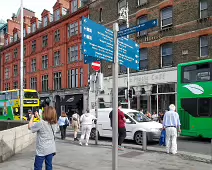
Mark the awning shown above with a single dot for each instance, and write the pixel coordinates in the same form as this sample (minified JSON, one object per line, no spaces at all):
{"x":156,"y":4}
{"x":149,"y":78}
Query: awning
{"x":72,"y":99}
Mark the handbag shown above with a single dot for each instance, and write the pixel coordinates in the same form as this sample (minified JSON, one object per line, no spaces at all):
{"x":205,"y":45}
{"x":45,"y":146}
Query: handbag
{"x":54,"y":139}
{"x":66,"y":122}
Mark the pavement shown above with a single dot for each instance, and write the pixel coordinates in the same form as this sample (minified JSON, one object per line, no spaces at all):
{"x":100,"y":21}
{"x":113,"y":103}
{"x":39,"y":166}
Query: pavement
{"x":71,"y":156}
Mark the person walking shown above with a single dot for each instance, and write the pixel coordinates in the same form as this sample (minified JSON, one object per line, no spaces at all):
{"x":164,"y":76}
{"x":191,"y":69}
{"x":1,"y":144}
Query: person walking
{"x":75,"y":125}
{"x":121,"y":127}
{"x":45,"y":142}
{"x":63,"y":122}
{"x":86,"y":121}
{"x":171,"y":123}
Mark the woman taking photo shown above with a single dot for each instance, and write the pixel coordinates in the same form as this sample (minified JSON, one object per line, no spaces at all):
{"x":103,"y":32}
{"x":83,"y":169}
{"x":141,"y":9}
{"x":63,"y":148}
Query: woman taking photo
{"x":45,"y":142}
{"x":63,"y":123}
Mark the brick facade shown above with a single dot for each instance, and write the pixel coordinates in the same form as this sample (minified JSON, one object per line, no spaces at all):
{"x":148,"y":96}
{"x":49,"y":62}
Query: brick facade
{"x":183,"y":33}
{"x":52,"y":40}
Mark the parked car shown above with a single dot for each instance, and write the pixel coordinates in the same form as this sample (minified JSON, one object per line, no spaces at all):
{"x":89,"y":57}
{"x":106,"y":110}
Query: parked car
{"x":136,"y":123}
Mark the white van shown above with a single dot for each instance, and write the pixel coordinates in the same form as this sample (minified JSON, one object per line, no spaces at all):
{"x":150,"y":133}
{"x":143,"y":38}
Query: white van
{"x":135,"y":124}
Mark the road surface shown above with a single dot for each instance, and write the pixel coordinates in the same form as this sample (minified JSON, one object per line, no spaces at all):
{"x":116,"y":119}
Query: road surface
{"x":195,"y":145}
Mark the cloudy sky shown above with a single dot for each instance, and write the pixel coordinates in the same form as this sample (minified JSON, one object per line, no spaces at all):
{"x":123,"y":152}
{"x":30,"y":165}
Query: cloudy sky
{"x":8,"y":7}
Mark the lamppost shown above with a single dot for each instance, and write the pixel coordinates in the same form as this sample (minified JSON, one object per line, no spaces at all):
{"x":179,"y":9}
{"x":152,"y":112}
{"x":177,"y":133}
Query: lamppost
{"x":21,"y":63}
{"x":124,"y":15}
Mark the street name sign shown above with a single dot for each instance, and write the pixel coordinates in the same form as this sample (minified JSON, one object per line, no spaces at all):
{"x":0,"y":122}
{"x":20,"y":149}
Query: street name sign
{"x":98,"y":44}
{"x":141,"y":27}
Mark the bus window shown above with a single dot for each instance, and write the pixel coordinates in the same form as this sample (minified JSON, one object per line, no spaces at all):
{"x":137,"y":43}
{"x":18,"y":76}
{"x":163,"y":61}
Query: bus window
{"x":204,"y":107}
{"x":3,"y":96}
{"x":14,"y":95}
{"x":30,"y":95}
{"x":196,"y":73}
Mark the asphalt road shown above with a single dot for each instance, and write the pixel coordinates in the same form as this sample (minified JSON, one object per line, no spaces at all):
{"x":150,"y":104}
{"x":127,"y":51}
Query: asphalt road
{"x":196,"y":145}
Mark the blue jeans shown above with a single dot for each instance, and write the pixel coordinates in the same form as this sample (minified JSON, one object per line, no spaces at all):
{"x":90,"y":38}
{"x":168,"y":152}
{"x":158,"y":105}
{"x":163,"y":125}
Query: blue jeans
{"x":39,"y":162}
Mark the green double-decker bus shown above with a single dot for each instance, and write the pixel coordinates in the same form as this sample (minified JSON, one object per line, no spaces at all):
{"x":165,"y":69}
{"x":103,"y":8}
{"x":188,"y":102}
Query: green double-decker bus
{"x":195,"y":98}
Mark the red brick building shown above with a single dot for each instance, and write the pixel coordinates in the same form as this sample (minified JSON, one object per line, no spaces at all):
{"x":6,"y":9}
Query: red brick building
{"x":53,"y":62}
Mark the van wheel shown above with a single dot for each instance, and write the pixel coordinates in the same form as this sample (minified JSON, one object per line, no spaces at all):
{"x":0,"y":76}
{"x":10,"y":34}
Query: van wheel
{"x":93,"y":133}
{"x":138,"y":137}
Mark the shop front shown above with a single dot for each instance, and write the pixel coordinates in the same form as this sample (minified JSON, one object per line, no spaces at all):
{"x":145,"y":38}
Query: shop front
{"x":154,"y":90}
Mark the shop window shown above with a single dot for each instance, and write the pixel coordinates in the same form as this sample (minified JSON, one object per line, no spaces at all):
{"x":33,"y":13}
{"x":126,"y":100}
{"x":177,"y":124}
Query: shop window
{"x":166,"y":88}
{"x":197,"y":73}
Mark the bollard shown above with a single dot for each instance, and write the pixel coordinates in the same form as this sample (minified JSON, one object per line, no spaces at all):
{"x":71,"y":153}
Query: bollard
{"x":144,"y":146}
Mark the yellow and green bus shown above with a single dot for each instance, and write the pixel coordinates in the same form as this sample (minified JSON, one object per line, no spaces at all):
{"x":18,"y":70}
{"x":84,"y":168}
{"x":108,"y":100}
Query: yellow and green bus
{"x":31,"y":101}
{"x":194,"y":96}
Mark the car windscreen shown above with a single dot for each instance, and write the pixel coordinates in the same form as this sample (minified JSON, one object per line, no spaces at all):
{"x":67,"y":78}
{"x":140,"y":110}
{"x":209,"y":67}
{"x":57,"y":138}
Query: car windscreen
{"x":139,"y":117}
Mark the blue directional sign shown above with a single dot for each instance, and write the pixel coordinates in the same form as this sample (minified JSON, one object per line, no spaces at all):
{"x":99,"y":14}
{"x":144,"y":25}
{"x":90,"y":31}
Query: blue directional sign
{"x":98,"y":44}
{"x":144,"y":26}
{"x":97,"y":40}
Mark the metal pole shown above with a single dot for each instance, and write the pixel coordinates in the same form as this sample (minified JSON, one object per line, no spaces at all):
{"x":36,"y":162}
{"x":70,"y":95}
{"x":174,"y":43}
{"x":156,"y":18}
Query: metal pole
{"x":96,"y":106}
{"x":211,"y":150}
{"x":21,"y":63}
{"x":128,"y":70}
{"x":144,"y":141}
{"x":115,"y":100}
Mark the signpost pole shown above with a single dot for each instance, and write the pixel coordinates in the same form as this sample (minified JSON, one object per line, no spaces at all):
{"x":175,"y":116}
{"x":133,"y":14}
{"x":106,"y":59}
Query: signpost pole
{"x":96,"y":106}
{"x":21,"y":64}
{"x":128,"y":70}
{"x":115,"y":100}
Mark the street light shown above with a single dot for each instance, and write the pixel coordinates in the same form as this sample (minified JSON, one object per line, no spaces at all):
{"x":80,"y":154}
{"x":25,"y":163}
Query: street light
{"x":21,"y":63}
{"x":124,"y":15}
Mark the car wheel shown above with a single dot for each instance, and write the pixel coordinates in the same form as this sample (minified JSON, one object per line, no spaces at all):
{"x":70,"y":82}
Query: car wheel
{"x":138,"y":138}
{"x":93,"y":133}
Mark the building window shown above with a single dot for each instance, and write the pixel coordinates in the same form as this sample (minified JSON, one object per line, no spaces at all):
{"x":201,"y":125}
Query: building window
{"x":15,"y":70}
{"x":81,"y":77}
{"x":141,"y":2}
{"x":122,"y":27}
{"x":15,"y":37}
{"x":57,"y":81}
{"x":33,"y":65}
{"x":122,"y":69}
{"x":166,"y":17}
{"x":24,"y":34}
{"x":7,"y":57}
{"x":80,"y":26}
{"x":6,"y":42}
{"x":45,"y":62}
{"x":64,"y":11}
{"x":73,"y":78}
{"x":45,"y":21}
{"x":74,"y":5}
{"x":7,"y":73}
{"x":24,"y":84}
{"x":204,"y":50}
{"x":33,"y":27}
{"x":166,"y":55}
{"x":142,"y":20}
{"x":33,"y":46}
{"x":57,"y":58}
{"x":29,"y":30}
{"x":16,"y":53}
{"x":45,"y":82}
{"x":24,"y":50}
{"x":57,"y":15}
{"x":24,"y":68}
{"x":7,"y":86}
{"x":121,"y":4}
{"x":57,"y":36}
{"x":15,"y":85}
{"x":203,"y":8}
{"x":81,"y":53}
{"x":33,"y":83}
{"x":73,"y":54}
{"x":100,"y":15}
{"x":143,"y":59}
{"x":45,"y":41}
{"x":72,"y":29}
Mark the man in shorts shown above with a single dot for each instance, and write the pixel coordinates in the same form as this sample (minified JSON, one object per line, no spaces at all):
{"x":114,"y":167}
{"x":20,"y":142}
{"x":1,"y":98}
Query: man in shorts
{"x":75,"y":124}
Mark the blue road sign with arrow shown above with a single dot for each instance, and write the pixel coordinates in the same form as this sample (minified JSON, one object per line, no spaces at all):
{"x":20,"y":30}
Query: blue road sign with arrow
{"x":144,"y":26}
{"x":98,"y":44}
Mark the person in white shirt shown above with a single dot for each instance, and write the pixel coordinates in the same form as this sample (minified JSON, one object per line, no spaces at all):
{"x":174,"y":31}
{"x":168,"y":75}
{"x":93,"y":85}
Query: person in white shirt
{"x":171,"y":122}
{"x":63,"y":123}
{"x":75,"y":124}
{"x":86,"y":121}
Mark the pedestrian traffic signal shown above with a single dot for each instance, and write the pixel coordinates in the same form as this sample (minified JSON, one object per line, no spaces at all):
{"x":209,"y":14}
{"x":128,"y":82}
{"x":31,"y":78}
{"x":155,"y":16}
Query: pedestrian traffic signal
{"x":130,"y":93}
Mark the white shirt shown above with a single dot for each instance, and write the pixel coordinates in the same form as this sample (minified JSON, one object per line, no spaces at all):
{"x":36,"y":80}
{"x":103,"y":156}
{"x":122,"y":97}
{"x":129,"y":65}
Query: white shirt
{"x":87,"y":119}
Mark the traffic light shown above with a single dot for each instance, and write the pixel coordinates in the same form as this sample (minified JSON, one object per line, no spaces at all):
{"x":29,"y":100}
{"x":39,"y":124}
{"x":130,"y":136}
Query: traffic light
{"x":130,"y":93}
